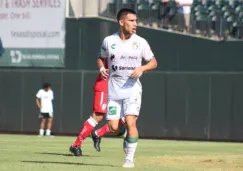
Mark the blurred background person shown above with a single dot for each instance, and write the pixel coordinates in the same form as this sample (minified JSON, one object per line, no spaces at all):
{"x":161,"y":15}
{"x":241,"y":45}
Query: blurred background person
{"x":44,"y":99}
{"x":184,"y":14}
{"x":1,"y":48}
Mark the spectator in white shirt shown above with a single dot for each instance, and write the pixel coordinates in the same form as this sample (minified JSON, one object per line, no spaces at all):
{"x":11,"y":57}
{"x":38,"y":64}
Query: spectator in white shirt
{"x":186,"y":9}
{"x":44,"y":99}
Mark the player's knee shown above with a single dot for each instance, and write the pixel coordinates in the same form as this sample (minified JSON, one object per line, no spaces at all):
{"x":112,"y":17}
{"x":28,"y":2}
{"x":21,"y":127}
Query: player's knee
{"x":43,"y":120}
{"x":114,"y":128}
{"x":131,"y":121}
{"x":98,"y":117}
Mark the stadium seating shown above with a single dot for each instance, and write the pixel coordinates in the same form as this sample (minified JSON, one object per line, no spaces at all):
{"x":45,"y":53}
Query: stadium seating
{"x":209,"y":18}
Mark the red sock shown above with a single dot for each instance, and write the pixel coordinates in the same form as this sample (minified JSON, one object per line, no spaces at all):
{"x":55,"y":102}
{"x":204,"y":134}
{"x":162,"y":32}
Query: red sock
{"x":102,"y":131}
{"x":88,"y":127}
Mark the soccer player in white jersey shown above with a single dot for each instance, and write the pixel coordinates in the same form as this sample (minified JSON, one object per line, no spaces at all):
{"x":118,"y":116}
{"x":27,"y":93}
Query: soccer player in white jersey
{"x":125,"y":51}
{"x":44,"y":99}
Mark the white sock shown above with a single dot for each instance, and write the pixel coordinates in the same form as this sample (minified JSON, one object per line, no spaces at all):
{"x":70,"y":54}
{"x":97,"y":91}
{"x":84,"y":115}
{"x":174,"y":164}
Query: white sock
{"x":131,"y":149}
{"x":41,"y":132}
{"x":48,"y":132}
{"x":92,"y":121}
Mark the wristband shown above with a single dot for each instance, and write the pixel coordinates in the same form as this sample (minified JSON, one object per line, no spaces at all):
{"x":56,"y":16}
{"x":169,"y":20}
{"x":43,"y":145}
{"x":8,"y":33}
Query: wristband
{"x":102,"y":68}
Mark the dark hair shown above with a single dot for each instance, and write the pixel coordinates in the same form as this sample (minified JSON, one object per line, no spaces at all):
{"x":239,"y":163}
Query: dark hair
{"x":124,"y":11}
{"x":46,"y":85}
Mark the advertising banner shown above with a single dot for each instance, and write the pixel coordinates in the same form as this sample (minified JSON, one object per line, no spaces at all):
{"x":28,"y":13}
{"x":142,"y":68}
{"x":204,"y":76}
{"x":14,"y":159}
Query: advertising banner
{"x":32,"y":33}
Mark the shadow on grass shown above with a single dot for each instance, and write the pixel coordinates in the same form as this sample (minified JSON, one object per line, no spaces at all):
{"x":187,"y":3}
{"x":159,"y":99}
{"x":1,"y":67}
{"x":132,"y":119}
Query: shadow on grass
{"x":64,"y":154}
{"x":67,"y":163}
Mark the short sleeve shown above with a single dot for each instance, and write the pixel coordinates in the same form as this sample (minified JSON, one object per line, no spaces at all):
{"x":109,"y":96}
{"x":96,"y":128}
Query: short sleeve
{"x":147,"y":53}
{"x":38,"y":95}
{"x":104,"y":49}
{"x":52,"y":95}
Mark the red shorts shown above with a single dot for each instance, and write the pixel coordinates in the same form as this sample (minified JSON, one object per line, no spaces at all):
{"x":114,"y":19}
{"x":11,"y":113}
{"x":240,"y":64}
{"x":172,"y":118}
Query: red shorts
{"x":100,"y":102}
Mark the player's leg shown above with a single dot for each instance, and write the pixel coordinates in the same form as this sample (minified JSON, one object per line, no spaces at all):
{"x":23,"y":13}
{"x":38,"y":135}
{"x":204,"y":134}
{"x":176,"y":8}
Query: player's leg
{"x":99,"y":108}
{"x":42,"y":124}
{"x":122,"y":127}
{"x":99,"y":105}
{"x":105,"y":129}
{"x":131,"y":109}
{"x":113,"y":115}
{"x":97,"y":134}
{"x":85,"y":131}
{"x":49,"y":125}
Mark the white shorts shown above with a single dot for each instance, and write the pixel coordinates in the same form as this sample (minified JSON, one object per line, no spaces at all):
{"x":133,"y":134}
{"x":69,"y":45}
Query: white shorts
{"x":117,"y":109}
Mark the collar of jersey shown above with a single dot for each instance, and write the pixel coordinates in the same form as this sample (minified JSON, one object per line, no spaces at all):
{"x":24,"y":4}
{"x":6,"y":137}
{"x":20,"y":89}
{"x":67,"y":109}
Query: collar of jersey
{"x":123,"y":41}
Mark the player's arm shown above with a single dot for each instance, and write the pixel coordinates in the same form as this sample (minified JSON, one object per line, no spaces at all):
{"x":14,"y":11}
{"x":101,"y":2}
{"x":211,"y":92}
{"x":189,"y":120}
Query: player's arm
{"x":100,"y":60}
{"x":100,"y":63}
{"x":52,"y":95}
{"x":37,"y":99}
{"x":151,"y":65}
{"x":38,"y":102}
{"x":102,"y":69}
{"x":151,"y":62}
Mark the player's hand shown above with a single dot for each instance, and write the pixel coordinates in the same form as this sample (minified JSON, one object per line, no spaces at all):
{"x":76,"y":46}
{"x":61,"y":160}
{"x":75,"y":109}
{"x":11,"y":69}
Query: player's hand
{"x":104,"y":73}
{"x":138,"y":72}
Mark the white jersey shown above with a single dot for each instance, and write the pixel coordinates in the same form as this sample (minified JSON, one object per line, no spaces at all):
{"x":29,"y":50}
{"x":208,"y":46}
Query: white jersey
{"x":123,"y":58}
{"x":46,"y":98}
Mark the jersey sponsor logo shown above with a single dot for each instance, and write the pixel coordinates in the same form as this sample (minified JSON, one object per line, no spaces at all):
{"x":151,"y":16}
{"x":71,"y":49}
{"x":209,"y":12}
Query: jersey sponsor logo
{"x":123,"y":57}
{"x":112,"y":110}
{"x":114,"y":68}
{"x":126,"y":68}
{"x":122,"y":68}
{"x":129,"y":57}
{"x":133,"y":57}
{"x":112,"y":56}
{"x":113,"y":46}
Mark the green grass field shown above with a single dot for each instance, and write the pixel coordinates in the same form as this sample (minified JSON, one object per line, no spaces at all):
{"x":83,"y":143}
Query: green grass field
{"x":32,"y":153}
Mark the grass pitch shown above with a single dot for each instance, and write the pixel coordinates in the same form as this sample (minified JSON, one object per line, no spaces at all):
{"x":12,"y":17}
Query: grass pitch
{"x":31,"y":153}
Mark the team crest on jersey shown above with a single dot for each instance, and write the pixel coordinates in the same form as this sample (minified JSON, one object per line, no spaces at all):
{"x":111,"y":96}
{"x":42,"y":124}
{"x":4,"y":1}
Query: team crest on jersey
{"x":134,"y":45}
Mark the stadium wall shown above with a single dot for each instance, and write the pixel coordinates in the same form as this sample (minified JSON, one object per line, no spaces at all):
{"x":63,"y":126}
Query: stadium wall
{"x":175,"y":52}
{"x":196,"y":93}
{"x":176,"y":105}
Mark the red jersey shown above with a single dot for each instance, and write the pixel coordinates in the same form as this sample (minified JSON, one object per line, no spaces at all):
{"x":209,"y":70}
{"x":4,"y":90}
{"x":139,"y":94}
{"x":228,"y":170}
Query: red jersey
{"x":101,"y":84}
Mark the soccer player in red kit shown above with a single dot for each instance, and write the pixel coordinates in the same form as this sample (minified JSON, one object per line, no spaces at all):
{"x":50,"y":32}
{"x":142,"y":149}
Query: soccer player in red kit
{"x":99,"y":111}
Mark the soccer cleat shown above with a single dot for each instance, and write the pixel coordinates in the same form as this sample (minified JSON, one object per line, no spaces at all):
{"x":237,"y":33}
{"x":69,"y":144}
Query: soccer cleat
{"x":128,"y":164}
{"x":96,"y":141}
{"x":75,"y":150}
